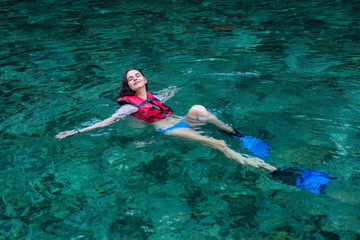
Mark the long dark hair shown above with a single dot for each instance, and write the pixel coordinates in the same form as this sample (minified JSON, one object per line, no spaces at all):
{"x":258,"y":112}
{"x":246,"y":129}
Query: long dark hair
{"x":125,"y":89}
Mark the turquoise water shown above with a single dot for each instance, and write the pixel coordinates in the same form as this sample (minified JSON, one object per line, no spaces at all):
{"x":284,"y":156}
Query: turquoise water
{"x":282,"y":71}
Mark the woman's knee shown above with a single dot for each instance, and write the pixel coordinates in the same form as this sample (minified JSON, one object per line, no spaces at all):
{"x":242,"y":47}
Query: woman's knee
{"x":198,"y":110}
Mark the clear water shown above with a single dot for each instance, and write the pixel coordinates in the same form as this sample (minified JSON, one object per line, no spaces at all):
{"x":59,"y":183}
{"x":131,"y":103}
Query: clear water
{"x":285,"y":71}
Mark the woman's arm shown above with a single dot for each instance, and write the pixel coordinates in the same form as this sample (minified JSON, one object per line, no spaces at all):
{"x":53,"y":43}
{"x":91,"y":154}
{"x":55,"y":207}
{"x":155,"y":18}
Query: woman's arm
{"x":103,"y":123}
{"x":123,"y":111}
{"x":166,"y":94}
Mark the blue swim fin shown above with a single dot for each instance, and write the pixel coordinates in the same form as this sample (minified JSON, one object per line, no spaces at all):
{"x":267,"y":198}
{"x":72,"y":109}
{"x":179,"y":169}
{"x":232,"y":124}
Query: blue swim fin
{"x":257,"y":146}
{"x":311,"y":180}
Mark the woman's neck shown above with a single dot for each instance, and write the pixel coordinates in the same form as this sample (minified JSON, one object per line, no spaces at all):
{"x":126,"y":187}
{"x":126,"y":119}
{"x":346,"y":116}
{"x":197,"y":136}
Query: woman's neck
{"x":142,"y":93}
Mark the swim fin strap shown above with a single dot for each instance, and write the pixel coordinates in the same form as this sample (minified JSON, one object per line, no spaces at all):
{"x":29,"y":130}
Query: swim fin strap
{"x":311,"y":180}
{"x":257,"y":146}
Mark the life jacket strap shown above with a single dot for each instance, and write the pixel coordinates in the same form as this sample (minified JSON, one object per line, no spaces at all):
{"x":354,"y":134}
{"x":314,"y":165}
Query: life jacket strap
{"x":146,"y":101}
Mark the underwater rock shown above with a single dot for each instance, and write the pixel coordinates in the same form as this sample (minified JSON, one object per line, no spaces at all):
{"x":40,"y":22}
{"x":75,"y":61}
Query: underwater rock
{"x":224,"y":27}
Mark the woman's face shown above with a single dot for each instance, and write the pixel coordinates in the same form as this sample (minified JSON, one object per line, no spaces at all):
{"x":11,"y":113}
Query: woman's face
{"x":135,"y":80}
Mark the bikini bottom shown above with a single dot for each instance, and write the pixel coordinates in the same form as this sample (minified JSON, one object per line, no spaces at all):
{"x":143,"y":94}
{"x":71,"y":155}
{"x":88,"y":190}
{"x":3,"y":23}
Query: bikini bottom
{"x":180,"y":124}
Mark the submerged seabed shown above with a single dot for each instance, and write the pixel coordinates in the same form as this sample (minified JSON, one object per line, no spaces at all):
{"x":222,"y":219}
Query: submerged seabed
{"x":284,"y":71}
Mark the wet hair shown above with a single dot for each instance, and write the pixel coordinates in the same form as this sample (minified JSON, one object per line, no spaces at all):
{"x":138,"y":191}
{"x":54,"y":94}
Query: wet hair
{"x":125,"y":90}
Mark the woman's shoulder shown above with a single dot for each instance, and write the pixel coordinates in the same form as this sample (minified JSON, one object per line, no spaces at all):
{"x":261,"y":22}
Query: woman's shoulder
{"x":125,"y":110}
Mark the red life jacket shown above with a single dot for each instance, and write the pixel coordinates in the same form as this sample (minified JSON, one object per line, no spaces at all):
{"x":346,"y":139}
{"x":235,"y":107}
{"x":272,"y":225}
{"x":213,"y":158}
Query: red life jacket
{"x":150,"y":110}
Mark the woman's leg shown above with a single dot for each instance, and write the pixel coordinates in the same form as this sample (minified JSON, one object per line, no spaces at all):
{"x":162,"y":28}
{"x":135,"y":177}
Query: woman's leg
{"x":199,"y":113}
{"x":220,"y":145}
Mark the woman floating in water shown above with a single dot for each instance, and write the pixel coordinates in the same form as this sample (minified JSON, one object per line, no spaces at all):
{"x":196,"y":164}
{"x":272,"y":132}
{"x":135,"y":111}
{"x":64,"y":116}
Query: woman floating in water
{"x":135,"y":100}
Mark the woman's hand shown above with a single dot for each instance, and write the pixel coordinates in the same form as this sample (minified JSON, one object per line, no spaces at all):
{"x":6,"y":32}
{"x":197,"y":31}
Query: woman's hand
{"x":103,"y":123}
{"x":66,"y":134}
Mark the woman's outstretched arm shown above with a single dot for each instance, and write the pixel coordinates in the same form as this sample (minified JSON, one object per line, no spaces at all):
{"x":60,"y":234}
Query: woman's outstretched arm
{"x":103,"y":123}
{"x":123,"y":111}
{"x":166,"y":94}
